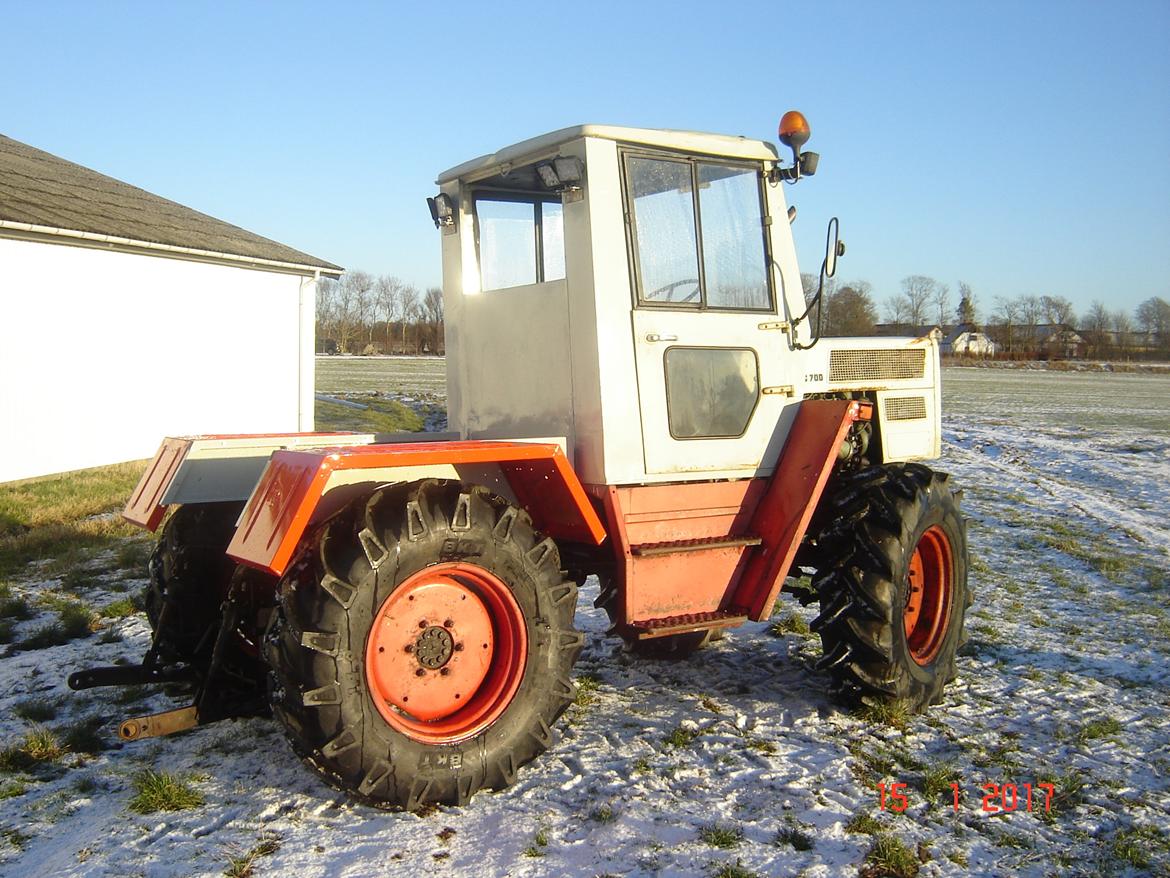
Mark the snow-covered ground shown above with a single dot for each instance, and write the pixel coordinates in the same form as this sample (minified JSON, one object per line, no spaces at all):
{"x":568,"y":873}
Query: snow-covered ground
{"x":1067,"y":483}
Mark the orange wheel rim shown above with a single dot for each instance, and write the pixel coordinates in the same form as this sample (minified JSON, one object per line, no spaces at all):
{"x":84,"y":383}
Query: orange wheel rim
{"x":929,"y":588}
{"x":446,"y":653}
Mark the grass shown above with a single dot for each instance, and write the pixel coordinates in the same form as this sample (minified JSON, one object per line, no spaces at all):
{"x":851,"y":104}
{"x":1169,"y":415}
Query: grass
{"x":37,"y":710}
{"x":39,"y":746}
{"x":790,"y":624}
{"x":380,"y":416}
{"x":1068,"y":791}
{"x":1134,"y":845}
{"x":680,"y":737}
{"x":84,"y":736}
{"x":12,"y":789}
{"x":733,"y":870}
{"x":74,"y":621}
{"x":62,"y":515}
{"x":890,"y":858}
{"x":795,"y":837}
{"x":119,"y":609}
{"x":864,"y":824}
{"x":723,"y":837}
{"x":587,"y":686}
{"x":539,"y":843}
{"x":937,"y":780}
{"x":156,"y":791}
{"x":241,"y":866}
{"x":603,"y":814}
{"x":133,"y":555}
{"x":893,"y":713}
{"x":1106,"y":727}
{"x":16,"y":838}
{"x":12,"y":606}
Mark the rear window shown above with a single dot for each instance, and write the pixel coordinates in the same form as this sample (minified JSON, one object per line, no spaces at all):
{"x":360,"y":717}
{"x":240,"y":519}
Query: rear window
{"x":521,"y":241}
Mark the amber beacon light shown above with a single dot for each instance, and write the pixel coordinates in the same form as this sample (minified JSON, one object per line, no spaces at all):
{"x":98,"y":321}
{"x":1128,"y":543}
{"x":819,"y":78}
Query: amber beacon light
{"x":794,"y":133}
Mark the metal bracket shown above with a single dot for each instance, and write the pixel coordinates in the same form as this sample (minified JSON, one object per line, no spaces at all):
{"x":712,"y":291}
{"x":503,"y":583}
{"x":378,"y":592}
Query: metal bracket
{"x":783,"y":326}
{"x":780,"y":390}
{"x":166,"y":723}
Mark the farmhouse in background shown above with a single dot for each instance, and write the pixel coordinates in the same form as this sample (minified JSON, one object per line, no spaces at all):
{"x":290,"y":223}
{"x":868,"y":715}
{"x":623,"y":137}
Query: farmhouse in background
{"x":126,"y":317}
{"x":966,"y":340}
{"x":961,"y":339}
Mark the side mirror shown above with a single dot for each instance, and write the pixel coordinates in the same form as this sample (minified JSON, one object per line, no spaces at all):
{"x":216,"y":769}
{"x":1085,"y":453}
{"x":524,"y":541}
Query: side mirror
{"x":834,"y":247}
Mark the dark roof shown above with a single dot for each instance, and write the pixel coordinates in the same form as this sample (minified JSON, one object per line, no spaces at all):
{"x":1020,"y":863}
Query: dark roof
{"x":43,"y":190}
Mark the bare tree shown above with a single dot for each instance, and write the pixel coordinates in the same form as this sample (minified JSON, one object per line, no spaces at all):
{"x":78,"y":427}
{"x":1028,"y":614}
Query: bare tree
{"x":1096,"y":327}
{"x":1030,"y":312}
{"x":1004,"y":321}
{"x":410,"y":310}
{"x":897,"y":311}
{"x":942,"y":302}
{"x":919,"y":291}
{"x":1058,"y":310}
{"x":433,"y":304}
{"x":1153,"y":316}
{"x":388,"y":295}
{"x":1123,"y":330}
{"x":362,"y":284}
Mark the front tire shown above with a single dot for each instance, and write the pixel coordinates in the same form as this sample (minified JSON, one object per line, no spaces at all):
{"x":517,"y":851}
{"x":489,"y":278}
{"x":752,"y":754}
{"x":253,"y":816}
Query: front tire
{"x":423,"y":646}
{"x":892,"y":582}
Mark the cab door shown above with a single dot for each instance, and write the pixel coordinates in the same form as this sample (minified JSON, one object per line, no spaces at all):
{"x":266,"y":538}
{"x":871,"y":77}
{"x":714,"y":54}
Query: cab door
{"x":711,"y":379}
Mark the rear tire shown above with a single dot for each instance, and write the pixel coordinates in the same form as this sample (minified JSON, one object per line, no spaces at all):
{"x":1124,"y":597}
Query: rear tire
{"x":190,"y":570}
{"x":341,"y":679}
{"x":892,"y":582}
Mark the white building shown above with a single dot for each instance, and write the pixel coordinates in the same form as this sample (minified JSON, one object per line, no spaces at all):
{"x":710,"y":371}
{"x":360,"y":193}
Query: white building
{"x":125,"y":318}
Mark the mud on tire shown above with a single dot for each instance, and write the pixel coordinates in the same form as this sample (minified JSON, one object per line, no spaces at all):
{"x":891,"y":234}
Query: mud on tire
{"x":892,"y":582}
{"x":320,"y":683}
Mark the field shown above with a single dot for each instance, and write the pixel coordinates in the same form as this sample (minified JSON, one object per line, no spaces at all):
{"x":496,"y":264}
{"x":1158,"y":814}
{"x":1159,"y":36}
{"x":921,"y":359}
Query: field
{"x":734,"y":763}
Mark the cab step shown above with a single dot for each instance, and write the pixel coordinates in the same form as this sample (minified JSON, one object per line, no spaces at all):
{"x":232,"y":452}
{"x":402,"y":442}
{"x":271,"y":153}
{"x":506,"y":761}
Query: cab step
{"x":675,"y":547}
{"x":668,"y":625}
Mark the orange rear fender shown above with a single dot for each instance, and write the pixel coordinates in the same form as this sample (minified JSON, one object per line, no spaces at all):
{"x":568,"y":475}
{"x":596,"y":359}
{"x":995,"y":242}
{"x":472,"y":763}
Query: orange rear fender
{"x":300,"y":487}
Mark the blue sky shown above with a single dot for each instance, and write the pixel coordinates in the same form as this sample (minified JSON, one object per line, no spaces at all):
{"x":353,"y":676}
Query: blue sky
{"x":1021,"y":147}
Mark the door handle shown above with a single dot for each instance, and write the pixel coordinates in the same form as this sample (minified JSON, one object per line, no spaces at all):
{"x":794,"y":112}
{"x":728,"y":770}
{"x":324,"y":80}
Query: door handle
{"x":654,"y":336}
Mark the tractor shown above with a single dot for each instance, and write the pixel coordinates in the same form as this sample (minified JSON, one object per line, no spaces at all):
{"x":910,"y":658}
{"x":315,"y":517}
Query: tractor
{"x":638,"y":396}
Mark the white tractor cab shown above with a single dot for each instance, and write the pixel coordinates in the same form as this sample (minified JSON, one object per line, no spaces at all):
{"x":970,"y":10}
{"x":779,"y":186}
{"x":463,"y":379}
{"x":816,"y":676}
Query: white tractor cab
{"x":637,"y":292}
{"x":639,"y":399}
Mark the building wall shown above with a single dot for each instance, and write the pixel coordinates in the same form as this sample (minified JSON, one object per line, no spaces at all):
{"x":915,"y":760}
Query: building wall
{"x":103,"y":353}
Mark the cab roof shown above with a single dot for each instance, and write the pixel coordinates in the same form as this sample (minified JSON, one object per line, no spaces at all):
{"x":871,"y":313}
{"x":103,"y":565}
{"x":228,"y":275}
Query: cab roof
{"x":729,"y":146}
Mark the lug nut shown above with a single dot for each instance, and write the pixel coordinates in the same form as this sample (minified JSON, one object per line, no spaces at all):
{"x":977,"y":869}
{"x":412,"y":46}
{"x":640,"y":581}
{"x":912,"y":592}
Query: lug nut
{"x":422,"y":624}
{"x":419,"y":672}
{"x":444,"y":671}
{"x":459,"y":647}
{"x":449,"y":623}
{"x":409,"y":647}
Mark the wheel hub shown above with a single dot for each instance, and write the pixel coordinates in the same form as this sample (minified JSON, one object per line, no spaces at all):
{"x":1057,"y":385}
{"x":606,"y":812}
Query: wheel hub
{"x":434,"y":647}
{"x":929,"y":588}
{"x":446,"y":652}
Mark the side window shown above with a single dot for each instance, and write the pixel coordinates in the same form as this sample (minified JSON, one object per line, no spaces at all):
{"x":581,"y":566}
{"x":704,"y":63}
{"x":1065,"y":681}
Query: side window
{"x":710,"y":392}
{"x":698,"y":233}
{"x":521,"y":241}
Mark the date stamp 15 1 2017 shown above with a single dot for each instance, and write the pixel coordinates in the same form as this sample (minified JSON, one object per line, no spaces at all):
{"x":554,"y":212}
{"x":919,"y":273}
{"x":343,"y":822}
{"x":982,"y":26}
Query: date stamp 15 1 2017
{"x":996,"y":799}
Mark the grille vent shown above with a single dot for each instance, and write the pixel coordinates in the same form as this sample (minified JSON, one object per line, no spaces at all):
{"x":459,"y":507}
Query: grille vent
{"x":877,"y":365}
{"x":905,"y":408}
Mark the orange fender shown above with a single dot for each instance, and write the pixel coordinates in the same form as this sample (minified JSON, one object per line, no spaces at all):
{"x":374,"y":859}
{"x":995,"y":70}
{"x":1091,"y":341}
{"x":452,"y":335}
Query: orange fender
{"x":294,"y":482}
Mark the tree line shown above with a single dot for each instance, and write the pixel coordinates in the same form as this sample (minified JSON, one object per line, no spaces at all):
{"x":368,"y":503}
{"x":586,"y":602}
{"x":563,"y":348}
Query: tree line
{"x":361,"y":313}
{"x":1019,"y":325}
